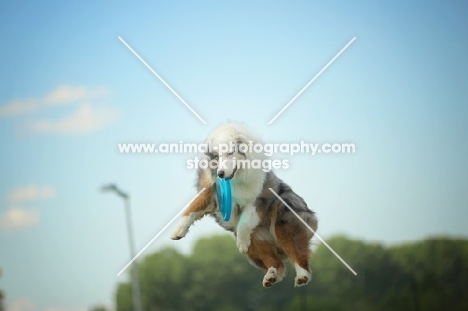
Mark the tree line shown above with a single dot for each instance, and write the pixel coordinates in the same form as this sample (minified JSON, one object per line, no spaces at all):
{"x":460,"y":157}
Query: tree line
{"x":431,"y":274}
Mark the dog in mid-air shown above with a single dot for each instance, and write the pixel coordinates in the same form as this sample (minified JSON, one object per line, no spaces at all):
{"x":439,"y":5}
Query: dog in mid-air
{"x":265,"y":229}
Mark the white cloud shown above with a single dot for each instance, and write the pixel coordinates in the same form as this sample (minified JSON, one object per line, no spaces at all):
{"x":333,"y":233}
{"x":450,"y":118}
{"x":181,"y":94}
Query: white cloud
{"x":17,"y":217}
{"x":86,"y":118}
{"x":67,"y":93}
{"x":30,"y":193}
{"x":21,"y":304}
{"x":63,"y":94}
{"x":19,"y":106}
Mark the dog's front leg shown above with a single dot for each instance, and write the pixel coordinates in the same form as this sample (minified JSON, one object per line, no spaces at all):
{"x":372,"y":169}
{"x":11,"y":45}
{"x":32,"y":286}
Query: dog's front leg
{"x":248,"y":221}
{"x":201,"y":206}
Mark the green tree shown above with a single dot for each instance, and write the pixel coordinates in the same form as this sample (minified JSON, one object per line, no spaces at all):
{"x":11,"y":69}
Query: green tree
{"x":2,"y":296}
{"x":163,"y":277}
{"x":426,"y":275}
{"x":124,"y":298}
{"x":380,"y":284}
{"x":439,"y":271}
{"x":98,"y":308}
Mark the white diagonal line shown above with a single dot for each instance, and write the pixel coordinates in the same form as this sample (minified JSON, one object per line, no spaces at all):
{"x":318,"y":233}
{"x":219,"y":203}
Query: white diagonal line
{"x":313,"y":231}
{"x":313,"y":79}
{"x":159,"y":233}
{"x":162,"y":80}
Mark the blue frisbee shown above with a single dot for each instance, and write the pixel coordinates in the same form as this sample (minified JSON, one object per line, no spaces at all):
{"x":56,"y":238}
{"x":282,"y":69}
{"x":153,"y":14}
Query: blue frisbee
{"x":223,"y":192}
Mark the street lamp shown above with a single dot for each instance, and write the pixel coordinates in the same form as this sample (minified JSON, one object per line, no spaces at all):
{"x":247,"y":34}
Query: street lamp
{"x":134,"y":269}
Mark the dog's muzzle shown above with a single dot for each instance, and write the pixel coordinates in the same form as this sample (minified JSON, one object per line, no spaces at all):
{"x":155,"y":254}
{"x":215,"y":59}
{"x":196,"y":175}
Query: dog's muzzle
{"x":233,"y":172}
{"x":221,"y":174}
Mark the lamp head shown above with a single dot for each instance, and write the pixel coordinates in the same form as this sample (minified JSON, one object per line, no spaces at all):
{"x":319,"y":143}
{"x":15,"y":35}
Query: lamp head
{"x":113,"y":188}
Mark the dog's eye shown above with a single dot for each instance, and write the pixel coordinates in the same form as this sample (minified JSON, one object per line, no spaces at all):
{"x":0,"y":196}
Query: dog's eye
{"x":230,"y":153}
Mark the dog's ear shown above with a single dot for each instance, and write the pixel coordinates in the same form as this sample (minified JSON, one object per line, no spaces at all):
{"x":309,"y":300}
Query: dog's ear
{"x":208,"y":152}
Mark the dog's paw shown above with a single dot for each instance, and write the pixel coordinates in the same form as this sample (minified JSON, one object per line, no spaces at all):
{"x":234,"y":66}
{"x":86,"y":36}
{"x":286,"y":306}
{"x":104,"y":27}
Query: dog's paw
{"x":179,"y":233}
{"x":302,"y":276}
{"x":301,"y":281}
{"x":182,"y":229}
{"x":270,"y":278}
{"x":243,"y":245}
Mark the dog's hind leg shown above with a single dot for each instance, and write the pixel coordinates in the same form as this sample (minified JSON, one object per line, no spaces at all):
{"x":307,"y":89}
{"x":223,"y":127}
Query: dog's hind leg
{"x":295,"y":243}
{"x":202,"y":205}
{"x":264,"y":255}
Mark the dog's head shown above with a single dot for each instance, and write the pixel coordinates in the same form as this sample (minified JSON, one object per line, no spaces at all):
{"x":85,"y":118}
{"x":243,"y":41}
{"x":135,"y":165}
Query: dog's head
{"x":231,"y":148}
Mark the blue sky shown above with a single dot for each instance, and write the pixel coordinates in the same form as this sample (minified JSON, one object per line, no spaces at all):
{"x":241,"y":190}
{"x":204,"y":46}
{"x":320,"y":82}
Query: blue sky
{"x":70,"y":91}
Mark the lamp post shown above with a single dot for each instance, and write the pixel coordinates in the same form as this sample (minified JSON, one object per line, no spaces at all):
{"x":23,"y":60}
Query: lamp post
{"x":134,"y":269}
